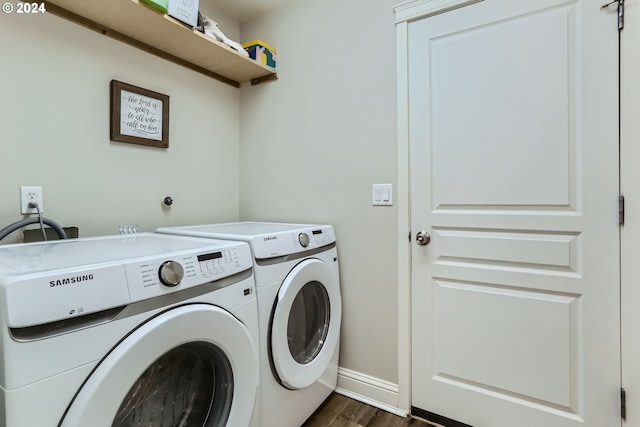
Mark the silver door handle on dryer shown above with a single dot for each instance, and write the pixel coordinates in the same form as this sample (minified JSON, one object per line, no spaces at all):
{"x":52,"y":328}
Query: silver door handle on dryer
{"x":423,"y":238}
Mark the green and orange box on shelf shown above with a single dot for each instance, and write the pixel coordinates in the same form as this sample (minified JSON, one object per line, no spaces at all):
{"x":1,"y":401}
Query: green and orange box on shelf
{"x":261,"y":52}
{"x":183,"y":10}
{"x":161,"y":5}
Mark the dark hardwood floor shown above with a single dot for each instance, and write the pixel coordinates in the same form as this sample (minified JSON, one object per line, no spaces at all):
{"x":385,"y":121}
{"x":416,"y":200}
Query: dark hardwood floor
{"x":342,"y":411}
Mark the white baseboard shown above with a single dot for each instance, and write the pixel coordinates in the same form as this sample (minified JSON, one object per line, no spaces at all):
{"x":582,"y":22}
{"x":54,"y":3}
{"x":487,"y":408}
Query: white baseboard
{"x":370,"y":390}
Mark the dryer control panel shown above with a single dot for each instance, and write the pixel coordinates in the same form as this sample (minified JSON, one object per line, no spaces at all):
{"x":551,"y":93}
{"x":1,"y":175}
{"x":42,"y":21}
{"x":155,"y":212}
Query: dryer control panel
{"x":290,"y":242}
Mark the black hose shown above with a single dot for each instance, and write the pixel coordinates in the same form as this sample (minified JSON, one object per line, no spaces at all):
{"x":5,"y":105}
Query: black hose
{"x":22,"y":223}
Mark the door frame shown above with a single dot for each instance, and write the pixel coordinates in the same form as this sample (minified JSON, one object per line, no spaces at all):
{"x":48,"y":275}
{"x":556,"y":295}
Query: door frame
{"x":403,"y":225}
{"x":630,"y":188}
{"x":405,"y":13}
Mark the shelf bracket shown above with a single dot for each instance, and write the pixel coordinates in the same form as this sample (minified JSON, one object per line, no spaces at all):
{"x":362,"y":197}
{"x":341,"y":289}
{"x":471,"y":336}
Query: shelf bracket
{"x":264,"y":79}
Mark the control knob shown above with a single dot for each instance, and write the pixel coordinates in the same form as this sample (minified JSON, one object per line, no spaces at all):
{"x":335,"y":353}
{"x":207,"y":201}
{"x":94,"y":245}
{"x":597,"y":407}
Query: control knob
{"x":303,"y":238}
{"x":171,"y":273}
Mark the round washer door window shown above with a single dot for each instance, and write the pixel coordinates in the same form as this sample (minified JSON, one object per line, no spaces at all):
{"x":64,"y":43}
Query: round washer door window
{"x":190,"y":385}
{"x":305,"y":327}
{"x":192,"y":366}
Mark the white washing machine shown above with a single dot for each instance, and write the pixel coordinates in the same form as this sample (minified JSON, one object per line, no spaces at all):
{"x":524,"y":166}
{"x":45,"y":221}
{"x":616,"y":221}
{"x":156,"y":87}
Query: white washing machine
{"x":299,"y":312}
{"x":123,"y":331}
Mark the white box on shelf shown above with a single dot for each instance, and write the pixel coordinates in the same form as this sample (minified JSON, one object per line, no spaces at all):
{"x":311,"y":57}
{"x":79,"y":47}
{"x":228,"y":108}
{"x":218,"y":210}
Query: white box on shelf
{"x":184,"y":10}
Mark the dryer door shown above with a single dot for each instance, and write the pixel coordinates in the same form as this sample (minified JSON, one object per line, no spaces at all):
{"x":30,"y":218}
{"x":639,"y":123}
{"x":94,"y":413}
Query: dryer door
{"x":194,"y":365}
{"x":305,"y":328}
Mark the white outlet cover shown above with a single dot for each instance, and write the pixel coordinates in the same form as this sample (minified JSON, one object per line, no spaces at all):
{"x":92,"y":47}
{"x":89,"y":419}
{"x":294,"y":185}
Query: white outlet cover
{"x":30,"y":194}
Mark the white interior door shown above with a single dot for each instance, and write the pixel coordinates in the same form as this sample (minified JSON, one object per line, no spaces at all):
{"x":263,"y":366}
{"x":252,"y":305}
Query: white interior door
{"x":513,"y":129}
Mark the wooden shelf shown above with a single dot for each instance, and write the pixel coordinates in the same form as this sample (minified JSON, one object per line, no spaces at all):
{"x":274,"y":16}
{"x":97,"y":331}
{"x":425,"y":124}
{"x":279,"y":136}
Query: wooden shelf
{"x":143,"y":27}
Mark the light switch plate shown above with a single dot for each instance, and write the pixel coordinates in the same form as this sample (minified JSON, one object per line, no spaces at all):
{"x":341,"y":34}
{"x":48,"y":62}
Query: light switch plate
{"x":382,"y":194}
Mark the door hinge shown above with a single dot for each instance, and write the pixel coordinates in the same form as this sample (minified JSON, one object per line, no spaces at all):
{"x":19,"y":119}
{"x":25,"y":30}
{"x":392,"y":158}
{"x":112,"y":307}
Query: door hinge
{"x":621,"y":210}
{"x":623,"y":404}
{"x":620,"y":4}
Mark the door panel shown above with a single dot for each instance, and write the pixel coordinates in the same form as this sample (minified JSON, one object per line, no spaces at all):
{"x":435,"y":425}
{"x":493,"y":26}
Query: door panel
{"x":514,"y":173}
{"x":535,"y":364}
{"x":491,"y":61}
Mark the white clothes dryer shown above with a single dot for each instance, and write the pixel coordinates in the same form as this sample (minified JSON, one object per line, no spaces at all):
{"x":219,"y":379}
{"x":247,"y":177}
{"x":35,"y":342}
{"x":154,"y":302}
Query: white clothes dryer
{"x":122,"y":331}
{"x":299,"y":313}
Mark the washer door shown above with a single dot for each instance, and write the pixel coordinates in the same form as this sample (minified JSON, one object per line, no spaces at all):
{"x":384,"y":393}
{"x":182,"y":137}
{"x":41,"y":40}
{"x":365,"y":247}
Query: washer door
{"x":194,"y":365}
{"x":305,"y":328}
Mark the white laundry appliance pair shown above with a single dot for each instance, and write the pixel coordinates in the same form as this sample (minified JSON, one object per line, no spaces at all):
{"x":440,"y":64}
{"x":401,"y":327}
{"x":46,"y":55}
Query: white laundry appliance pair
{"x":299,"y":313}
{"x":133,"y":330}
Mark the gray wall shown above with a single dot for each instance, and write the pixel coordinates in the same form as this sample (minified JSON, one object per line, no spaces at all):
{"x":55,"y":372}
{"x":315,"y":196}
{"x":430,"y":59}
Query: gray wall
{"x":54,"y":111}
{"x":312,"y":143}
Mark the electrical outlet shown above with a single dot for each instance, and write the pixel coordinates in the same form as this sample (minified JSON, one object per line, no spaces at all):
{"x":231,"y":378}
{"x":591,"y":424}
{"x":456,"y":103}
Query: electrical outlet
{"x":30,"y":195}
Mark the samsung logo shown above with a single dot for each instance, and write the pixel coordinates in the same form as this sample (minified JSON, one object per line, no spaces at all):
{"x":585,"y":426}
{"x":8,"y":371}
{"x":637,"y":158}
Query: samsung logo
{"x":266,"y":239}
{"x":70,"y":280}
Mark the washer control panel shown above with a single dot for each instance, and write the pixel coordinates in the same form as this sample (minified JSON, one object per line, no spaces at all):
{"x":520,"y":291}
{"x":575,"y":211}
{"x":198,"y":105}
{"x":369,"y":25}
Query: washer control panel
{"x":149,"y":279}
{"x":50,"y":281}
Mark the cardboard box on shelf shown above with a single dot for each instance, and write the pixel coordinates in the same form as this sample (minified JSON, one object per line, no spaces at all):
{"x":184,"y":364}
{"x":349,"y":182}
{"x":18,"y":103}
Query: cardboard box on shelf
{"x":261,"y":52}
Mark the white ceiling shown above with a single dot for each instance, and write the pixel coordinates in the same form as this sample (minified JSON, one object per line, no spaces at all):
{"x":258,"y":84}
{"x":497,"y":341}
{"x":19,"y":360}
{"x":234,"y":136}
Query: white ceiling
{"x":244,"y":10}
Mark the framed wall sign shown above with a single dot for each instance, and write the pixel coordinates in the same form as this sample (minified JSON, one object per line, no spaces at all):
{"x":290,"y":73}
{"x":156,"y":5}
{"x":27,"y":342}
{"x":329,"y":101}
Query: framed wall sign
{"x":138,"y":115}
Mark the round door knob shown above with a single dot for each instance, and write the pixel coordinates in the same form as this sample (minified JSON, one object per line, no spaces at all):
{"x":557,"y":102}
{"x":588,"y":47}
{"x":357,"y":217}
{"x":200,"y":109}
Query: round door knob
{"x":303,"y":238}
{"x":171,"y":273}
{"x":423,"y":238}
